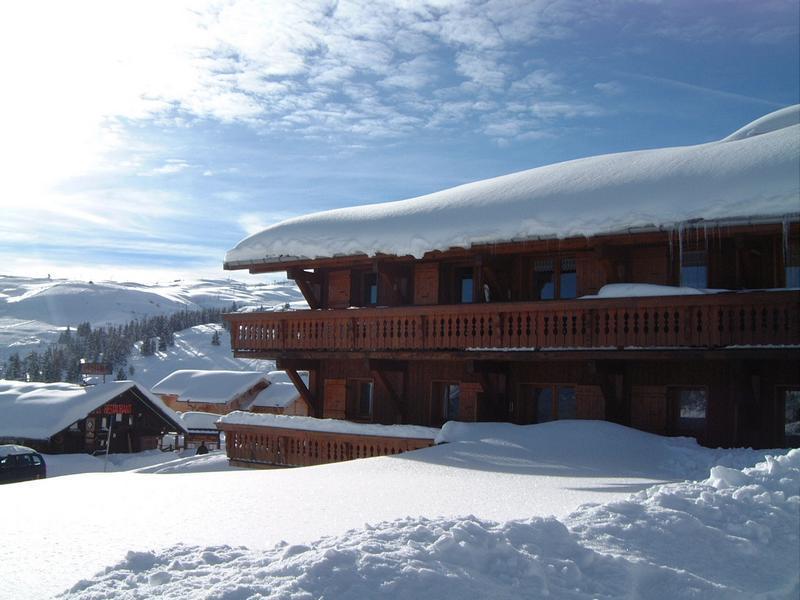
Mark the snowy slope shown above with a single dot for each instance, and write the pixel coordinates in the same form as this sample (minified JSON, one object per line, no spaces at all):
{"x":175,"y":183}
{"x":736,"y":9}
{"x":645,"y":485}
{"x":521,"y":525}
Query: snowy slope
{"x":34,"y":311}
{"x":500,"y":474}
{"x":67,"y":302}
{"x":751,"y":174}
{"x":193,"y":350}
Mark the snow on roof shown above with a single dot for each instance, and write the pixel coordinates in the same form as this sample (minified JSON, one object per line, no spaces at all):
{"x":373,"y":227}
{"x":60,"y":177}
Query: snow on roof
{"x":199,"y":421}
{"x":212,"y":387}
{"x":14,"y":449}
{"x":39,"y":410}
{"x":751,"y":175}
{"x":329,"y":425}
{"x":280,"y":392}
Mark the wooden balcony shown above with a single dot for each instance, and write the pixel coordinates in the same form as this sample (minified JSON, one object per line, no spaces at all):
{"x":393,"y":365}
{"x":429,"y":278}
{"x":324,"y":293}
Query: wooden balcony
{"x":263,"y":446}
{"x":714,"y":321}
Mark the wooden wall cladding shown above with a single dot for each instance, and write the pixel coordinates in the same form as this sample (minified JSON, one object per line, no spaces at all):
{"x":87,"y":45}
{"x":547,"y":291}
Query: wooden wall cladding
{"x":426,"y":283}
{"x":339,"y":289}
{"x":650,"y":264}
{"x":590,"y":273}
{"x":591,"y":402}
{"x":468,"y":401}
{"x":649,"y":408}
{"x":335,"y":399}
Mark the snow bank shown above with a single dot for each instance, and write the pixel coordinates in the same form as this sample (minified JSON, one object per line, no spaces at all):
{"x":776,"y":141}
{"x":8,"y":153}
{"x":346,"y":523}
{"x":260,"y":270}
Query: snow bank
{"x":734,"y":535}
{"x":595,"y":448}
{"x":744,"y":177}
{"x":644,"y":290}
{"x":328,"y":425}
{"x":212,"y":387}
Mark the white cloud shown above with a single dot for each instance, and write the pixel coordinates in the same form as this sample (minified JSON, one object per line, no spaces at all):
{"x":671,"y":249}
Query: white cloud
{"x":610,"y":88}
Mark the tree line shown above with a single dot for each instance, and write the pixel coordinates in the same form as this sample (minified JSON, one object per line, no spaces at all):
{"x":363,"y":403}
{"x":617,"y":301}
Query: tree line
{"x":111,"y":345}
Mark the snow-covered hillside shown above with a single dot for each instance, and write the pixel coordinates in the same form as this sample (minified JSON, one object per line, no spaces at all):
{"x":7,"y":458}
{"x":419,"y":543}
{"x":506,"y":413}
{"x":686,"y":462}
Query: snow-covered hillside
{"x":67,"y":302}
{"x":33,"y":311}
{"x":497,"y":512}
{"x":193,"y":350}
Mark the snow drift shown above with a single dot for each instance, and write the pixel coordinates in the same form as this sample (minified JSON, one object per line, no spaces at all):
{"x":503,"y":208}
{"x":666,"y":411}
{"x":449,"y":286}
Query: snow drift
{"x":734,"y":535}
{"x":751,"y":175}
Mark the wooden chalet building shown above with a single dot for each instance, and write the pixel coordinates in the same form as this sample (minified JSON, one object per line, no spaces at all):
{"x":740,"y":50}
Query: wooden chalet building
{"x":656,"y":289}
{"x":60,"y":418}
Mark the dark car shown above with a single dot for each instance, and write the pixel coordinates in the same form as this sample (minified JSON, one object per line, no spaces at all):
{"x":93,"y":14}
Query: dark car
{"x":19,"y":463}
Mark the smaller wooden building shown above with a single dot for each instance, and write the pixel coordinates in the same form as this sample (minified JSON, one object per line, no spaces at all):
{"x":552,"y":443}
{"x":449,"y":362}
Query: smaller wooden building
{"x":200,"y":428}
{"x":220,"y":392}
{"x":281,"y":397}
{"x":65,"y":418}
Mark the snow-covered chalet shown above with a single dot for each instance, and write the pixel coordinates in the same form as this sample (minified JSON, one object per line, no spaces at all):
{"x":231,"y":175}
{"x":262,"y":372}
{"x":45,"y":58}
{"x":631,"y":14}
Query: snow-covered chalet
{"x":657,"y":289}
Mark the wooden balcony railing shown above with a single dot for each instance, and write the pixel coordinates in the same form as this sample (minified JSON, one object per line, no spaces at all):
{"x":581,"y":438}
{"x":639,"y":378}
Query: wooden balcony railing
{"x":257,"y":446}
{"x":703,"y":321}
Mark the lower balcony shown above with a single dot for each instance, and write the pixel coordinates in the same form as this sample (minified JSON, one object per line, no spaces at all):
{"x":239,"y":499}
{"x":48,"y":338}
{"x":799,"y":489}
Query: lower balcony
{"x":262,"y":440}
{"x":713,"y":321}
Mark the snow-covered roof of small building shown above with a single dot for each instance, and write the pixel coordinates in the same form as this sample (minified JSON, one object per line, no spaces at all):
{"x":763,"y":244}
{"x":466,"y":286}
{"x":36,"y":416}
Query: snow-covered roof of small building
{"x":280,"y":392}
{"x":38,"y":411}
{"x":212,"y":387}
{"x":751,"y":175}
{"x":195,"y":421}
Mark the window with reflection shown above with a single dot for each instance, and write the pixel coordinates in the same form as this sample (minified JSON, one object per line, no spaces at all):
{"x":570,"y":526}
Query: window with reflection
{"x":554,"y":278}
{"x":792,"y":267}
{"x":540,"y":403}
{"x":689,"y":412}
{"x":694,"y":269}
{"x":360,"y":400}
{"x":465,"y":285}
{"x":370,"y":289}
{"x":445,"y":401}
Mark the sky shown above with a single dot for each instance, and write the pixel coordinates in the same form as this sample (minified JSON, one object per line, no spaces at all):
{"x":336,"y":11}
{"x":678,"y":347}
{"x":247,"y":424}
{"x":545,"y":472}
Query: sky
{"x":141,"y":139}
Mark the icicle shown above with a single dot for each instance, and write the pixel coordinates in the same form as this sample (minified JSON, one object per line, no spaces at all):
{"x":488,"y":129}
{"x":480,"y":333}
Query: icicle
{"x":785,"y":240}
{"x":669,"y":241}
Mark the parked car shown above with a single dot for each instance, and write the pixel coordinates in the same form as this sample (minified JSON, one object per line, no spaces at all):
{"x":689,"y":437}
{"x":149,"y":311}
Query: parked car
{"x":19,"y":463}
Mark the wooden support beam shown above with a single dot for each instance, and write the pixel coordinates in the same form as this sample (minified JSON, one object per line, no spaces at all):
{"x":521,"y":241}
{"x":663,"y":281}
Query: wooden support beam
{"x":304,"y":391}
{"x":310,"y":276}
{"x":310,"y":285}
{"x":397,"y":401}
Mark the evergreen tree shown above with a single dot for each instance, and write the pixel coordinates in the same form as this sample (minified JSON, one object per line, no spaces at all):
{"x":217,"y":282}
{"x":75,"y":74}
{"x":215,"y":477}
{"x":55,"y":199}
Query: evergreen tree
{"x":120,"y":374}
{"x":215,"y":341}
{"x":131,"y":371}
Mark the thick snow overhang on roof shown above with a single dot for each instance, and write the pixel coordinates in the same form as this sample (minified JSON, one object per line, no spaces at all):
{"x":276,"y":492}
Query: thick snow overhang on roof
{"x":38,"y":411}
{"x":751,"y":176}
{"x":211,"y":387}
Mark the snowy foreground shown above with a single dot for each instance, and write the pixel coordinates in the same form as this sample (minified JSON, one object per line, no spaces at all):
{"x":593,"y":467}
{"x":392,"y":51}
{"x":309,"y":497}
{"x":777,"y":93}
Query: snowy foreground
{"x":498,"y":512}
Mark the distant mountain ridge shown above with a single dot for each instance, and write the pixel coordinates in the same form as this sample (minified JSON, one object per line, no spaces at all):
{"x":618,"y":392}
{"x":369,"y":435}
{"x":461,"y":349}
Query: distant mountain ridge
{"x":64,"y":302}
{"x":34,"y":310}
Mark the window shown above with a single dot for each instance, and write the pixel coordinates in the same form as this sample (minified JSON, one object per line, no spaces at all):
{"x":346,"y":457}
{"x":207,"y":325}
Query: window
{"x":370,"y":288}
{"x":465,"y":285}
{"x":694,"y":269}
{"x":689,"y":410}
{"x":544,"y":280}
{"x":791,"y":417}
{"x":542,"y":403}
{"x":793,"y":264}
{"x":445,"y":401}
{"x":554,"y":278}
{"x":361,"y":392}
